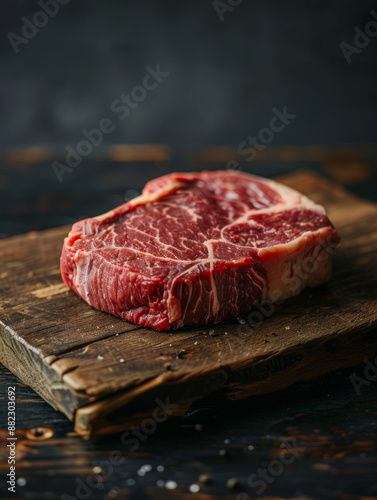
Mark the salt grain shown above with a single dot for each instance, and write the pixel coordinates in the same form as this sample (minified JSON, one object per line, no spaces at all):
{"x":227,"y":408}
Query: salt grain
{"x":99,"y":357}
{"x":194,"y":488}
{"x":170,"y":485}
{"x":121,"y":360}
{"x":145,"y":468}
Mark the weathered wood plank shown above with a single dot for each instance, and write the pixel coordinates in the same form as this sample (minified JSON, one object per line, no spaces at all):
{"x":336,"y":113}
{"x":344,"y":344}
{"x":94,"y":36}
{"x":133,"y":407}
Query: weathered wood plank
{"x":90,"y":365}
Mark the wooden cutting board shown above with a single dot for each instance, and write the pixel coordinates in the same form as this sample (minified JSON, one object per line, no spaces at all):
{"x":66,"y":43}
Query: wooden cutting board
{"x":106,"y":374}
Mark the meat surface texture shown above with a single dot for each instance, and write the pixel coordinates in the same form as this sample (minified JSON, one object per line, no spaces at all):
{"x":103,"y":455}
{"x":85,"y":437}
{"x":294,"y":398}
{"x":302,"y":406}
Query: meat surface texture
{"x":199,"y":248}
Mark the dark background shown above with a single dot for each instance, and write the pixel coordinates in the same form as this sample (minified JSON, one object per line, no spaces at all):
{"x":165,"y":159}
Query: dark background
{"x":225,"y":77}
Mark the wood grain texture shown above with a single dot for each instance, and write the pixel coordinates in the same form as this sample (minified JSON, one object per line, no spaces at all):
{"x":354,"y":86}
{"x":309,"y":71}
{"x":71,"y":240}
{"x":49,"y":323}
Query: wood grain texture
{"x":71,"y":354}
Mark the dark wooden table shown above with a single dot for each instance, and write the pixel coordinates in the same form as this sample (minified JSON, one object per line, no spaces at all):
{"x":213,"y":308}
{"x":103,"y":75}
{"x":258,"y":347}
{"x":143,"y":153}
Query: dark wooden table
{"x":332,"y":432}
{"x":313,"y":440}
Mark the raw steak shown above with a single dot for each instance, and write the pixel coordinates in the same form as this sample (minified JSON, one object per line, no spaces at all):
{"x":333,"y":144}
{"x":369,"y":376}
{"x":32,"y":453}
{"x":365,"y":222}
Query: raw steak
{"x":199,"y":248}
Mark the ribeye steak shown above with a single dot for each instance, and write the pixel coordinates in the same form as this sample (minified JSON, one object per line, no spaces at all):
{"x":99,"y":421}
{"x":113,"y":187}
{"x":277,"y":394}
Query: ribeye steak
{"x":199,"y":248}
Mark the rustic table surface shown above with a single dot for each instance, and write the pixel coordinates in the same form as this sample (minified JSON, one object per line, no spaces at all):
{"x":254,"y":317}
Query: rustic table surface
{"x":313,"y":440}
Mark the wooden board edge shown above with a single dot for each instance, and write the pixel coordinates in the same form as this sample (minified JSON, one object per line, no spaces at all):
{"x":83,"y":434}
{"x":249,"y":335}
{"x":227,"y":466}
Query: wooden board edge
{"x":19,"y":358}
{"x":273,"y":373}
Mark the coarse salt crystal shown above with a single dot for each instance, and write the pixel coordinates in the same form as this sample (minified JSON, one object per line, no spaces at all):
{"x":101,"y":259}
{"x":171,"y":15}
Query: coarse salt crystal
{"x":170,"y":485}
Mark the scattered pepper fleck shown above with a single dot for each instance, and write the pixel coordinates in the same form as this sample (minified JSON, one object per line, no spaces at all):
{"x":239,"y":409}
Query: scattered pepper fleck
{"x":205,"y":479}
{"x":232,"y":483}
